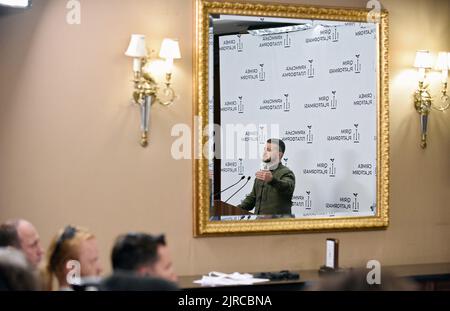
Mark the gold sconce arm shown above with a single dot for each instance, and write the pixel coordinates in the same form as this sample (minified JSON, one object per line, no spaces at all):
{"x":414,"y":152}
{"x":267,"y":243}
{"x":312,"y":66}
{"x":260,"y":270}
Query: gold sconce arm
{"x":166,"y":95}
{"x":146,"y":90}
{"x":444,"y":99}
{"x":423,"y":101}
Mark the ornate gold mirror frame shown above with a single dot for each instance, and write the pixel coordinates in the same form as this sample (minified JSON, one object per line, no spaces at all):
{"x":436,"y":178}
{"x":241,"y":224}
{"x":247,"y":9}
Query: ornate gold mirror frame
{"x":201,"y":188}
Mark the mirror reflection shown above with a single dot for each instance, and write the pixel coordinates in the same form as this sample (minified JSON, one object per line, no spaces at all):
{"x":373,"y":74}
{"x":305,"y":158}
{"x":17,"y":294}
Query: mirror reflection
{"x":292,"y":118}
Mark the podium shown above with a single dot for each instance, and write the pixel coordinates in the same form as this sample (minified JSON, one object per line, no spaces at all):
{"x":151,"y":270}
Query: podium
{"x":221,"y":208}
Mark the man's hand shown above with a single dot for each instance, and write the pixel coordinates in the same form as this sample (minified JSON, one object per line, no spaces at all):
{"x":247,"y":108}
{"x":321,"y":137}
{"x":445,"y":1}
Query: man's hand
{"x":264,"y":176}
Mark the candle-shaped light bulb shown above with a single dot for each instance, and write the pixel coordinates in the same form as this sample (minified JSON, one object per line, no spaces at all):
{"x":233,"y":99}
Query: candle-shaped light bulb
{"x":442,"y":64}
{"x":421,"y":74}
{"x":137,"y":64}
{"x":422,"y":62}
{"x":444,"y":76}
{"x":169,"y":65}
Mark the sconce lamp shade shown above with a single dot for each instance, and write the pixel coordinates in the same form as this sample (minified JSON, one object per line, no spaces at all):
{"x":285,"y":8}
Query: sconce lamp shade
{"x":423,"y":59}
{"x":442,"y":62}
{"x":137,"y":47}
{"x":170,"y":49}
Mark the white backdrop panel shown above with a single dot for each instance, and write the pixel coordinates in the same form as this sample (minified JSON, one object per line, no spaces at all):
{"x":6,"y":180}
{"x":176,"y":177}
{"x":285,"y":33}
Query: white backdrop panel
{"x":316,"y":90}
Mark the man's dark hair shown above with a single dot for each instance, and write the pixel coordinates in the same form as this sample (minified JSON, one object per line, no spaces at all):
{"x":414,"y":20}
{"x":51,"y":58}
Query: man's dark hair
{"x":126,"y":281}
{"x":134,"y":250}
{"x":9,"y":235}
{"x":279,"y":142}
{"x":356,"y":280}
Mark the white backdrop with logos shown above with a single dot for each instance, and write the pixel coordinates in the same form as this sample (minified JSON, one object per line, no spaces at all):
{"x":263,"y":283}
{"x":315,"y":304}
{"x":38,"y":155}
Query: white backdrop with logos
{"x":316,"y":89}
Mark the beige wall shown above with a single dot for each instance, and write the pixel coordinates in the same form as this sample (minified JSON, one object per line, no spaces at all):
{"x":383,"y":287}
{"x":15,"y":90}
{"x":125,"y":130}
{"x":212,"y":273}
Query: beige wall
{"x":69,"y":151}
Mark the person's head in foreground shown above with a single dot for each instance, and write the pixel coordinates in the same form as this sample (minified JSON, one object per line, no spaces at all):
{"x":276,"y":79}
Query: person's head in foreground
{"x":144,"y":255}
{"x":21,"y":234}
{"x":363,"y":280}
{"x":73,"y":256}
{"x":16,"y":273}
{"x":126,"y":281}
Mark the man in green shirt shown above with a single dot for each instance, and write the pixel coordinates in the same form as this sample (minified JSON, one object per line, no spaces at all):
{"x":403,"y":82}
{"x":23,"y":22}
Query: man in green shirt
{"x":274,"y":184}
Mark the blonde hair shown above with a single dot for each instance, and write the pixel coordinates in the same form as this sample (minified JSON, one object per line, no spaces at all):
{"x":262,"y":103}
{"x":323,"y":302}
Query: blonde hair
{"x":64,"y":247}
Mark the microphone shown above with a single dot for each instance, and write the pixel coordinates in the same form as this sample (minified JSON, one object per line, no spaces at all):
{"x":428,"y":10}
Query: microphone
{"x":217,"y":193}
{"x":248,"y":179}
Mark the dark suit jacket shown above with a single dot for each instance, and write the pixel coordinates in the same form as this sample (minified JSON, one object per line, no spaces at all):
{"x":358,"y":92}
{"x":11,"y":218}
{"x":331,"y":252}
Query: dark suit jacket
{"x":274,"y":197}
{"x":123,"y":281}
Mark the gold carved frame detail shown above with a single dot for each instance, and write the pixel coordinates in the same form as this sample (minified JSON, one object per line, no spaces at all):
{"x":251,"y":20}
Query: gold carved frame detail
{"x":201,"y":192}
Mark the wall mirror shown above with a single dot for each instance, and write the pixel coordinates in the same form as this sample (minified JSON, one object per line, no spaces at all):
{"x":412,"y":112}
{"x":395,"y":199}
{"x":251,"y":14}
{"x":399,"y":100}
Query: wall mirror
{"x":291,"y":118}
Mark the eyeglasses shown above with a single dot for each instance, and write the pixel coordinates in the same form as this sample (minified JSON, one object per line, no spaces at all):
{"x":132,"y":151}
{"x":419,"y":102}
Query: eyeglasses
{"x":68,"y":233}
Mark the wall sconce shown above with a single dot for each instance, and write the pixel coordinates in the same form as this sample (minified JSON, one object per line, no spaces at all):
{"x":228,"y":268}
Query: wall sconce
{"x":146,"y":89}
{"x":423,"y":101}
